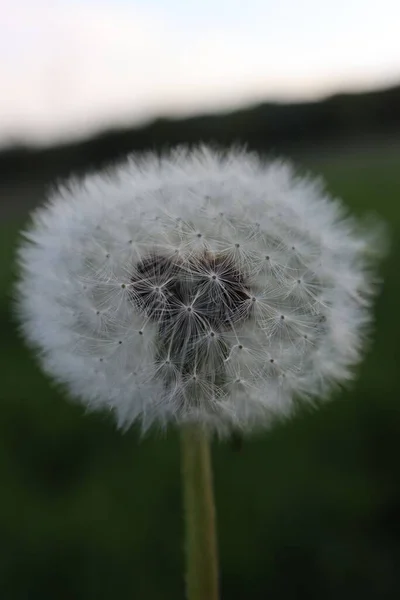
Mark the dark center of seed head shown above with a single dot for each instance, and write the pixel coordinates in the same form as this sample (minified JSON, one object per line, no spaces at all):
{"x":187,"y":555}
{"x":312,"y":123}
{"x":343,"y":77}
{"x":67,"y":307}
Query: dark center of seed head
{"x":186,"y":283}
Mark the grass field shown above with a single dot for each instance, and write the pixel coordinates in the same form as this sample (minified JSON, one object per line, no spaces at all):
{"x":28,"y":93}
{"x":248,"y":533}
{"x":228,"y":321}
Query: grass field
{"x":308,"y":510}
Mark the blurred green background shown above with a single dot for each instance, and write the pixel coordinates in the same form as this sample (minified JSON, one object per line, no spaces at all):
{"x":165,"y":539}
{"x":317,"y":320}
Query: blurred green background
{"x":308,"y":510}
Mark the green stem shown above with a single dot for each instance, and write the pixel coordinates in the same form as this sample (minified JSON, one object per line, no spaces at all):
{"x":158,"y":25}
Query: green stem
{"x":201,"y":540}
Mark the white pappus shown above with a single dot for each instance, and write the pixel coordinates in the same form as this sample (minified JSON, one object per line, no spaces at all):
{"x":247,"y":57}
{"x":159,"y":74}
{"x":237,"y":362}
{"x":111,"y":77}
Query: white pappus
{"x":196,"y":286}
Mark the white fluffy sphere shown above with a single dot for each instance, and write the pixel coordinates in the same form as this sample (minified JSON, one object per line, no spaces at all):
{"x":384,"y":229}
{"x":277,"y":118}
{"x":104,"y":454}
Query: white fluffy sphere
{"x":195,"y":287}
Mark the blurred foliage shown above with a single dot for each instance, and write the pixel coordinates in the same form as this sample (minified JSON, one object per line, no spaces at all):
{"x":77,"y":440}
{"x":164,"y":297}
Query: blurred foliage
{"x":308,"y":510}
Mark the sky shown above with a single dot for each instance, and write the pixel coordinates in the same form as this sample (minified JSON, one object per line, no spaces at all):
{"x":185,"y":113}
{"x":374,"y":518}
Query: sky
{"x":69,"y":68}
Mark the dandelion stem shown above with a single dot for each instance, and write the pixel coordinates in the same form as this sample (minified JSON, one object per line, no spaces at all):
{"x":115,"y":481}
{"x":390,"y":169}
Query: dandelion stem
{"x":201,"y":540}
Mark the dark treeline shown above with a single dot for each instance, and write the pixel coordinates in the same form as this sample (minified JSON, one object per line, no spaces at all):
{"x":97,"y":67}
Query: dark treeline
{"x":267,"y":128}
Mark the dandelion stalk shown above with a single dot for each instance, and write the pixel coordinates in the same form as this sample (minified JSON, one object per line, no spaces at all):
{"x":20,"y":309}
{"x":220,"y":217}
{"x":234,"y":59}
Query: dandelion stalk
{"x":201,"y":540}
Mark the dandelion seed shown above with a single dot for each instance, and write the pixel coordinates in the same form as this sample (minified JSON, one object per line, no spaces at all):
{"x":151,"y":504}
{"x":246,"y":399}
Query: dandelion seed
{"x":232,"y":303}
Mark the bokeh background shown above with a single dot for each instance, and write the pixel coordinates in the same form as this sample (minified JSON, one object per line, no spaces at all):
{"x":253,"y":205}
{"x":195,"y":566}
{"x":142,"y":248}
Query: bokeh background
{"x":308,"y":510}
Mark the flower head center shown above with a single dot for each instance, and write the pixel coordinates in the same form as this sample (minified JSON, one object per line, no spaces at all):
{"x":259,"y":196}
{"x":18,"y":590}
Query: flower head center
{"x":191,"y":307}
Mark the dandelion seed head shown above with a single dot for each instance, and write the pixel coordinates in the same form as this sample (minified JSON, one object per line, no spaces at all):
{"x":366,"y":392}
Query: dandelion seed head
{"x":196,"y":287}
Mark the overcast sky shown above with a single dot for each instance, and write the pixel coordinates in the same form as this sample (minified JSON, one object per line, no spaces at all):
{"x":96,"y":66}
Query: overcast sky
{"x":70,"y":67}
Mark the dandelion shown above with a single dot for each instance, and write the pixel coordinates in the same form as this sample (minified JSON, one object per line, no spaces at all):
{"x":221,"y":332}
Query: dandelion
{"x":205,"y":289}
{"x":200,"y":287}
